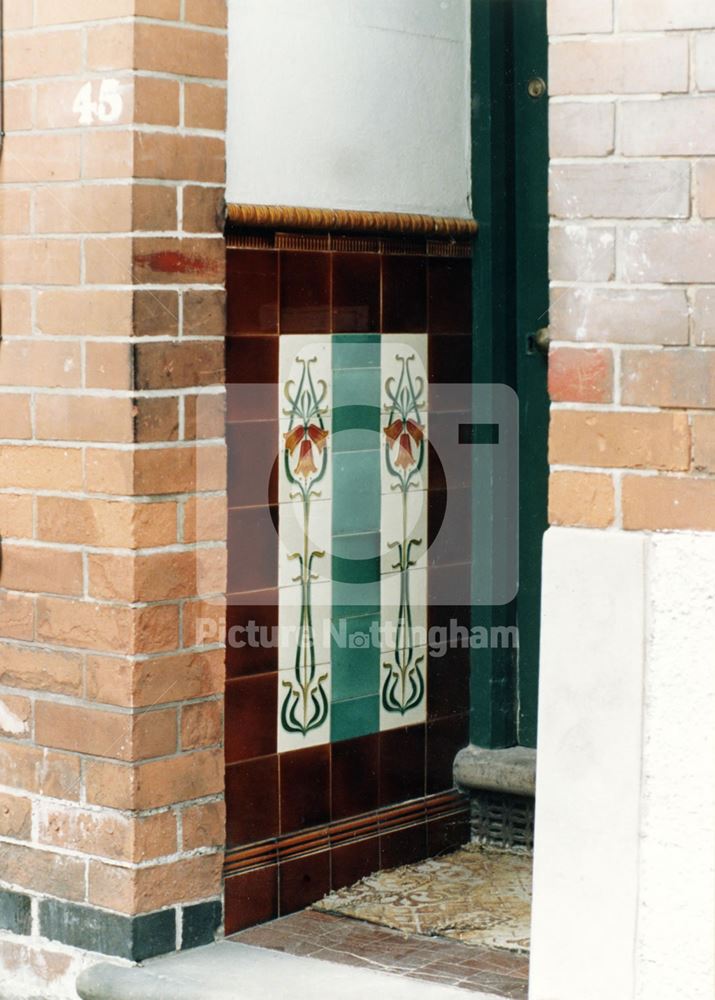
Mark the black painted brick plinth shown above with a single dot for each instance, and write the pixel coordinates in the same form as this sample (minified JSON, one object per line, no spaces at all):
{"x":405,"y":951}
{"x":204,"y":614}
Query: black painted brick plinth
{"x":133,"y":938}
{"x":15,"y":912}
{"x":199,"y":924}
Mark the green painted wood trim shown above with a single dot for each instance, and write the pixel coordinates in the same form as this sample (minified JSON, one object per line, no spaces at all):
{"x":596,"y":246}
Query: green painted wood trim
{"x":509,"y":168}
{"x":493,"y":672}
{"x":532,"y":304}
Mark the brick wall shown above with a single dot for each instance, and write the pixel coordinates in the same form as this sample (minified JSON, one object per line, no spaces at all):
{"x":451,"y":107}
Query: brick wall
{"x":111,"y":476}
{"x":632,"y":194}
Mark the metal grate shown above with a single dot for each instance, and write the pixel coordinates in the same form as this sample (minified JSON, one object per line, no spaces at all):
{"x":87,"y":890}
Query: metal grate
{"x":503,"y":820}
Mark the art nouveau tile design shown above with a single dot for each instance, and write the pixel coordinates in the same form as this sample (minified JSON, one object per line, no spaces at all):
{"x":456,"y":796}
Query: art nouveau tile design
{"x":341,"y":722}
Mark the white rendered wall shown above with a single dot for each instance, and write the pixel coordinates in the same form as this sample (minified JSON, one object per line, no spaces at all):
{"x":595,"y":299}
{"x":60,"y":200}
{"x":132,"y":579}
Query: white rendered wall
{"x":358,"y":104}
{"x":624,"y":873}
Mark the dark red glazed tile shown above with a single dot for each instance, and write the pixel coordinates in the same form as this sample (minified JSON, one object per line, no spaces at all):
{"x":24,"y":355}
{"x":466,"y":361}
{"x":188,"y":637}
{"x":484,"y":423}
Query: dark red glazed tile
{"x":404,"y":294}
{"x":354,"y":861}
{"x":251,"y":636}
{"x":449,"y":526}
{"x":445,"y":738}
{"x":252,"y":291}
{"x":251,"y":378}
{"x":356,"y":293}
{"x":404,"y":847}
{"x":252,"y":549}
{"x":305,"y":788}
{"x":303,"y":881}
{"x":354,"y":776}
{"x":252,"y":463}
{"x":450,"y":295}
{"x":304,"y":292}
{"x":252,"y":801}
{"x":251,"y":717}
{"x":446,"y":834}
{"x":450,"y":363}
{"x":447,"y":685}
{"x":402,"y":764}
{"x":251,"y":898}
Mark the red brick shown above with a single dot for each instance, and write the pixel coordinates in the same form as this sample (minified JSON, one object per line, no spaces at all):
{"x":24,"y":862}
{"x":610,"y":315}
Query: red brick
{"x":579,"y":375}
{"x":619,"y":439}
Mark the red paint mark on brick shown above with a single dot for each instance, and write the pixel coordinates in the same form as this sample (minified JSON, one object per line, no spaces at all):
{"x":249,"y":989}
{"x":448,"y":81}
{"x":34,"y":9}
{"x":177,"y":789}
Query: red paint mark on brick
{"x":175,"y":262}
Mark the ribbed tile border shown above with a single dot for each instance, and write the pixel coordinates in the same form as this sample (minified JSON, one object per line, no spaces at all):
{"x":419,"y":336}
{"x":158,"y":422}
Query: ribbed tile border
{"x":294,"y":217}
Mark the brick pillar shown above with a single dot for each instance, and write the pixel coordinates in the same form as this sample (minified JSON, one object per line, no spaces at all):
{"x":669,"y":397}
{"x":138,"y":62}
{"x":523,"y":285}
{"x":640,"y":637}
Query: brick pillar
{"x":624,"y":797}
{"x":112,"y":475}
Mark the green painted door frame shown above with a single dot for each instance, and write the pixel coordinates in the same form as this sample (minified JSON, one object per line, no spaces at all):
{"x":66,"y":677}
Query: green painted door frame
{"x":509,"y":190}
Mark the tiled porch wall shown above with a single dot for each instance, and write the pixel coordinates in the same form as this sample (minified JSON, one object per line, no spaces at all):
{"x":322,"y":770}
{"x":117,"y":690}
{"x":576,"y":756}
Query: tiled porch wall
{"x":346,"y":302}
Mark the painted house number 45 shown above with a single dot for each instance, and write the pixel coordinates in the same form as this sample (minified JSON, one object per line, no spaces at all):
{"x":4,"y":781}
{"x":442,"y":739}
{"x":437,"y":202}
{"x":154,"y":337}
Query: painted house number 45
{"x":107,"y":108}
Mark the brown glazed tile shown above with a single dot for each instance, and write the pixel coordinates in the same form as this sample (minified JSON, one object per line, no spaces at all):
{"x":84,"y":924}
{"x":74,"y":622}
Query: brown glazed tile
{"x":404,"y":294}
{"x":252,"y":463}
{"x":305,"y":788}
{"x":304,"y":292}
{"x":251,"y":898}
{"x":251,"y":378}
{"x":446,"y":585}
{"x":356,"y":293}
{"x":252,"y":287}
{"x":447,"y":685}
{"x":257,"y":611}
{"x":450,"y":363}
{"x":445,"y":737}
{"x":354,"y":776}
{"x":252,"y":801}
{"x":252,"y":549}
{"x":449,"y":295}
{"x":449,"y":520}
{"x":404,"y":847}
{"x":303,"y":881}
{"x":353,"y":861}
{"x":447,"y":834}
{"x":402,"y":764}
{"x":251,"y":717}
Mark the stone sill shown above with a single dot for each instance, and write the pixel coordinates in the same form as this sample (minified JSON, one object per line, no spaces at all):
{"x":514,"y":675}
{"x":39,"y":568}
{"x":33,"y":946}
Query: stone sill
{"x":228,"y":970}
{"x":512,"y":771}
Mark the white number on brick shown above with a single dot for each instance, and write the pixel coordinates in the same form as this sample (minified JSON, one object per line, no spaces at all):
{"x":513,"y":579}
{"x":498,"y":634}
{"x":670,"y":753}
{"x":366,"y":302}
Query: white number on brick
{"x":107,"y":108}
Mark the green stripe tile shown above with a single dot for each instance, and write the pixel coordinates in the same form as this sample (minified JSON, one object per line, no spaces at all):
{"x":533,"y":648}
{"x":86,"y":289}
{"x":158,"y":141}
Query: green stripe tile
{"x":357,"y":717}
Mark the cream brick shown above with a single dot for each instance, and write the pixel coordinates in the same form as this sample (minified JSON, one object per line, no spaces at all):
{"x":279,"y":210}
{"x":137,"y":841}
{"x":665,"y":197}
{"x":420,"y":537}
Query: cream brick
{"x":581,"y":253}
{"x":670,"y":254}
{"x":705,"y":189}
{"x":619,"y":66}
{"x":704,"y":317}
{"x":705,"y":61}
{"x":620,"y":190}
{"x":656,"y":15}
{"x":579,"y":17}
{"x":581,"y":129}
{"x":678,"y":126}
{"x":639,"y":316}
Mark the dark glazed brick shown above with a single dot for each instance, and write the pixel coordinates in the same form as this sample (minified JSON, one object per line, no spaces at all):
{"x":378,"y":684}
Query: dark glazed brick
{"x":252,"y":549}
{"x":445,"y":738}
{"x":251,"y":898}
{"x":155,"y":314}
{"x":305,"y":788}
{"x":252,"y":286}
{"x":252,"y":801}
{"x":15,"y":912}
{"x":204,"y":314}
{"x":251,"y":717}
{"x":402,"y":764}
{"x":257,"y":610}
{"x":354,"y":776}
{"x":304,"y":292}
{"x":356,"y":293}
{"x":404,"y":294}
{"x":353,"y":861}
{"x":133,"y":938}
{"x":450,"y":295}
{"x":404,"y":847}
{"x":252,"y":463}
{"x":179,"y":365}
{"x":303,"y":881}
{"x":199,"y":924}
